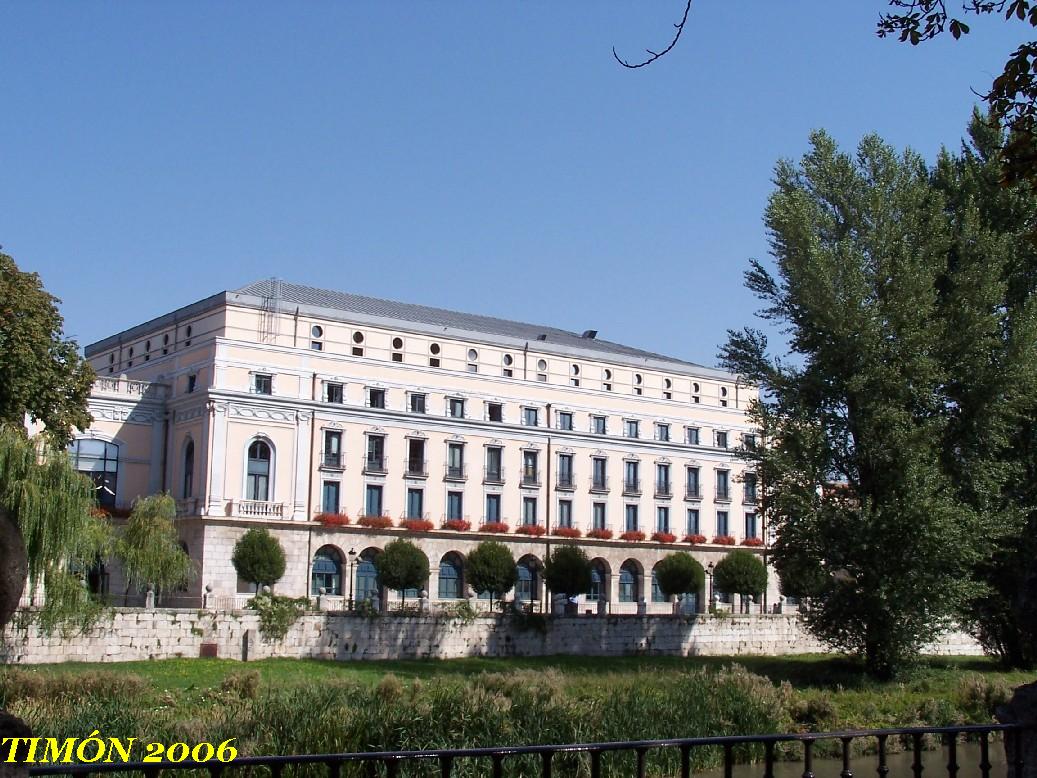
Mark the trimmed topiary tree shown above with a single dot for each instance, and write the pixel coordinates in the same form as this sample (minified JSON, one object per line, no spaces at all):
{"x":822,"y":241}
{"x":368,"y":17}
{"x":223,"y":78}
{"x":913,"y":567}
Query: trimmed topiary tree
{"x":491,"y":568}
{"x":679,"y":573}
{"x":259,"y":558}
{"x":402,"y":566}
{"x":740,"y":572}
{"x":568,"y":571}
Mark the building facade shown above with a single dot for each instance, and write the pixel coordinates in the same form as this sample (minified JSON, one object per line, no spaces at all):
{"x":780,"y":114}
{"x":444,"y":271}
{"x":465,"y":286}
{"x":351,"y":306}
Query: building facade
{"x":341,"y":422}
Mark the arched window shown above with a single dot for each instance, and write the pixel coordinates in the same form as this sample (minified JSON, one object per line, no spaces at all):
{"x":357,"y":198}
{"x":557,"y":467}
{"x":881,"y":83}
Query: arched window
{"x":597,"y":591}
{"x":628,"y":575}
{"x":327,"y":571}
{"x":657,"y":593}
{"x":526,"y":588}
{"x":451,"y":577}
{"x":367,"y":585}
{"x":257,"y":481}
{"x":98,"y":460}
{"x":189,"y":469}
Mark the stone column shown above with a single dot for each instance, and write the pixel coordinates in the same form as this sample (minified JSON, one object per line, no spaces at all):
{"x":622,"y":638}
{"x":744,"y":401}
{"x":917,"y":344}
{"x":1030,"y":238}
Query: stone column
{"x":1021,"y":709}
{"x":218,"y":460}
{"x":303,"y":421}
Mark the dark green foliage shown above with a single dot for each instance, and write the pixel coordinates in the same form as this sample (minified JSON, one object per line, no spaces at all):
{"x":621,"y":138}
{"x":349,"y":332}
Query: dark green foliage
{"x":402,"y":565}
{"x":740,"y":572}
{"x":568,"y":571}
{"x":149,"y":549}
{"x":491,"y":568}
{"x":41,"y":373}
{"x":259,"y":558}
{"x":679,"y":573}
{"x":277,"y":614}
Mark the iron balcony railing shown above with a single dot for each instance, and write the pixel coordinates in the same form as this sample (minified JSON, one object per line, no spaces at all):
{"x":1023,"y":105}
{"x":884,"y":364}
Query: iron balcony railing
{"x":723,"y":493}
{"x":599,"y":483}
{"x":374,"y":463}
{"x":455,"y":472}
{"x":566,"y":480}
{"x":692,"y":492}
{"x":636,"y":757}
{"x":332,"y":460}
{"x":749,"y":496}
{"x":663,"y":489}
{"x":415,"y":468}
{"x":530,"y":476}
{"x":493,"y":475}
{"x":632,"y":486}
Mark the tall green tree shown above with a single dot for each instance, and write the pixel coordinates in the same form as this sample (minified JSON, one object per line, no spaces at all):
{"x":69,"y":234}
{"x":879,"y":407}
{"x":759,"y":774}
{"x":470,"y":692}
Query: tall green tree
{"x":568,"y":571}
{"x":491,"y":568}
{"x":869,"y":522}
{"x":259,"y":557}
{"x":149,"y":549}
{"x":402,"y":566}
{"x":679,"y":573}
{"x":41,"y":372}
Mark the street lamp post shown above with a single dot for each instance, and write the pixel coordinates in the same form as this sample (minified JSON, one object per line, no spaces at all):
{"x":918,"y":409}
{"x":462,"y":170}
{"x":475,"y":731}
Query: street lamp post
{"x":709,"y":572}
{"x":352,"y":561}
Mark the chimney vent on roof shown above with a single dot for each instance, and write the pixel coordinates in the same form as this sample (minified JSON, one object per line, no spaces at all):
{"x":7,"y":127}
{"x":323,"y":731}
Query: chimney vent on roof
{"x":541,"y":337}
{"x":589,"y":334}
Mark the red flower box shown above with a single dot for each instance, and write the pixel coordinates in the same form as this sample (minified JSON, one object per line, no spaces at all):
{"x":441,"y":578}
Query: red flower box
{"x":458,"y":525}
{"x":332,"y":519}
{"x":416,"y":525}
{"x":600,"y":534}
{"x":755,"y":542}
{"x":531,"y":529}
{"x":566,"y":532}
{"x":635,"y":535}
{"x":724,"y":540}
{"x":695,"y":539}
{"x":375,"y":522}
{"x":494,"y":526}
{"x":664,"y":537}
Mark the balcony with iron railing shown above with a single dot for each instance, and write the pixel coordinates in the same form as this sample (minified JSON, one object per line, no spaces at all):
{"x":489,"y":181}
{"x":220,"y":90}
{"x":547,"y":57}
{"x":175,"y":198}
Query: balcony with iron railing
{"x":599,"y":484}
{"x":749,"y":496}
{"x":632,"y":487}
{"x":415,"y":468}
{"x":663,"y":490}
{"x":566,"y":481}
{"x":493,"y":475}
{"x":374,"y":463}
{"x":455,"y":472}
{"x":530,"y":476}
{"x":332,"y":460}
{"x":723,"y":494}
{"x":692,"y":492}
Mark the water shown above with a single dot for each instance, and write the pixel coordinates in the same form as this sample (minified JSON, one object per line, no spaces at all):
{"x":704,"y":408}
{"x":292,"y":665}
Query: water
{"x":900,"y":765}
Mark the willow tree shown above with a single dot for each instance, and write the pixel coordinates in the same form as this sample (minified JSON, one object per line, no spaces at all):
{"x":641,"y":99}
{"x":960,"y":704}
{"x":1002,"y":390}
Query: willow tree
{"x":149,"y":549}
{"x":53,"y":508}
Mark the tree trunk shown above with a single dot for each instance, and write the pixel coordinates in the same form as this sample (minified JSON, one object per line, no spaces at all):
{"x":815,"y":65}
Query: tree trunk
{"x":14,"y":570}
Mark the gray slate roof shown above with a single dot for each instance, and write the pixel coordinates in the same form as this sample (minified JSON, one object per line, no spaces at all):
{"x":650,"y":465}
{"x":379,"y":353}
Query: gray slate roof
{"x":296,"y":294}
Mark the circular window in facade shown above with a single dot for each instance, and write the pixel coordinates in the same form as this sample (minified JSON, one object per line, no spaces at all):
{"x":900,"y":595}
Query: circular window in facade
{"x":434,"y":348}
{"x":638,"y":378}
{"x":508,"y":359}
{"x":541,"y":364}
{"x":607,"y":374}
{"x":472,"y":355}
{"x":397,"y":343}
{"x":358,"y":337}
{"x":317,"y":331}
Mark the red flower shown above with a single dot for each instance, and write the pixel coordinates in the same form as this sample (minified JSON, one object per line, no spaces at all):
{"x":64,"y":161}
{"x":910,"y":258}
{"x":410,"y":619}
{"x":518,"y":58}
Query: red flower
{"x":695,"y":539}
{"x":332,"y":519}
{"x":752,"y":542}
{"x":416,"y":525}
{"x":724,"y":540}
{"x":566,"y":532}
{"x":375,"y":522}
{"x":531,"y":529}
{"x":459,"y":525}
{"x":664,"y":537}
{"x":600,"y":534}
{"x":633,"y":535}
{"x":494,"y":526}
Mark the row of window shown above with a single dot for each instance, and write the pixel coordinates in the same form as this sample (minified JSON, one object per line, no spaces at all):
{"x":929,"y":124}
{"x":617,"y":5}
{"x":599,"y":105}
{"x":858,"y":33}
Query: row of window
{"x":148,"y":348}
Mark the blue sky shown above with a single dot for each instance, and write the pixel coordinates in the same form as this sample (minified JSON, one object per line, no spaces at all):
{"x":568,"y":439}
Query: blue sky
{"x":485,"y":157}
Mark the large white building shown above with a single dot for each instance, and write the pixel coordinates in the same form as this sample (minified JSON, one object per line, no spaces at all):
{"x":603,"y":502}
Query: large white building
{"x":302,"y":409}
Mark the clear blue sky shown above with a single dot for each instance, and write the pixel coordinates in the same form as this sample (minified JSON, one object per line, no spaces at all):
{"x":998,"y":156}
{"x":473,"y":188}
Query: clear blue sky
{"x":489,"y":157}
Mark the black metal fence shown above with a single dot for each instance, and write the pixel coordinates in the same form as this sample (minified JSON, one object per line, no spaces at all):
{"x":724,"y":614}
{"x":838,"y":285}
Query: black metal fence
{"x":630,"y":758}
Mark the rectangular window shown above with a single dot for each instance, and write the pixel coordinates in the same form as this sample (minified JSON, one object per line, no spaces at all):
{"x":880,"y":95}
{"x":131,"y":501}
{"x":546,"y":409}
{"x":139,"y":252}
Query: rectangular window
{"x":749,"y":488}
{"x":598,"y":515}
{"x":662,"y":432}
{"x":455,"y":460}
{"x":494,"y":466}
{"x":529,"y":510}
{"x":722,"y":523}
{"x":332,"y":448}
{"x":330,"y":497}
{"x":375,"y":398}
{"x":375,"y":453}
{"x":723,"y":485}
{"x":749,"y":442}
{"x":530,"y":467}
{"x":598,"y":468}
{"x":417,"y":403}
{"x":692,"y":435}
{"x":662,"y":480}
{"x":262,"y":383}
{"x":598,"y":425}
{"x":493,"y":513}
{"x":691,"y":485}
{"x":721,"y":438}
{"x":494,"y":412}
{"x":631,"y":477}
{"x":693,"y":521}
{"x":415,"y":503}
{"x":373,"y":500}
{"x":565,"y":513}
{"x":333,"y":393}
{"x":316,"y":345}
{"x":530,"y":417}
{"x":662,"y":519}
{"x":192,"y":382}
{"x":565,"y":420}
{"x":455,"y":505}
{"x":631,"y":518}
{"x":566,"y":480}
{"x":630,"y":428}
{"x":416,"y":457}
{"x":455,"y":407}
{"x":750,"y":526}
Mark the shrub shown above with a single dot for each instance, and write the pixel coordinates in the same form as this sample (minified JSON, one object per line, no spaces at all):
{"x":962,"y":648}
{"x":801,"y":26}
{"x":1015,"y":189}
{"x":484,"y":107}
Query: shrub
{"x":632,"y":535}
{"x":566,"y":532}
{"x":402,"y":566}
{"x":242,"y":684}
{"x":664,"y":537}
{"x":679,"y":573}
{"x":416,"y":525}
{"x":459,"y":525}
{"x":740,"y":572}
{"x":494,"y":526}
{"x":332,"y":519}
{"x":531,"y":529}
{"x":259,"y":558}
{"x":277,"y":614}
{"x":600,"y":534}
{"x":375,"y":522}
{"x":695,"y":539}
{"x":724,"y":540}
{"x":568,"y":571}
{"x":491,"y":568}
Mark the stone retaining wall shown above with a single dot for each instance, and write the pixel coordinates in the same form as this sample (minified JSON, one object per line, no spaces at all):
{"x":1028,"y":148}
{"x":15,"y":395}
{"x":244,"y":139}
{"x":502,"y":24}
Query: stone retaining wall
{"x":136,"y":634}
